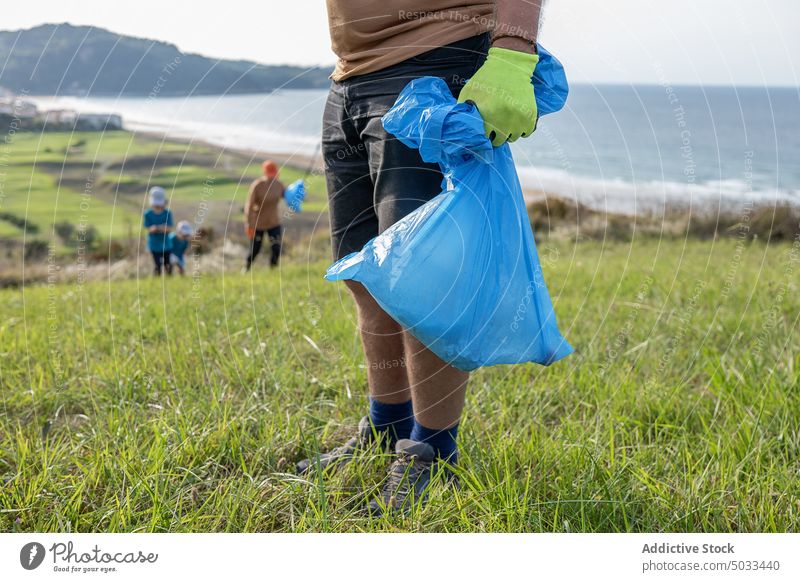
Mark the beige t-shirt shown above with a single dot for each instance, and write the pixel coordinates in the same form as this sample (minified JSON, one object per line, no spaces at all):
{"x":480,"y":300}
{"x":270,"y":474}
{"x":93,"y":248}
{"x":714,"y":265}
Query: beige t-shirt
{"x":261,"y":208}
{"x":369,"y":35}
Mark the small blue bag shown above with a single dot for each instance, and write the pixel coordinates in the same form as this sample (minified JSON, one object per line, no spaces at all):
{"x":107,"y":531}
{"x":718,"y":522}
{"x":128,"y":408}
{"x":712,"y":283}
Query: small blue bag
{"x":294,"y":195}
{"x":550,"y":83}
{"x":461,"y":273}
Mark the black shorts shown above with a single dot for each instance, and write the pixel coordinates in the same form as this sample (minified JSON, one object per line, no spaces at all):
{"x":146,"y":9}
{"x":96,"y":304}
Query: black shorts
{"x":374,"y":180}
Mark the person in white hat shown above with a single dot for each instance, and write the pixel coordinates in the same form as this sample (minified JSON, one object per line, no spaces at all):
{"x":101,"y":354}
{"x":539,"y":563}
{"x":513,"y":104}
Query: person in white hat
{"x":158,"y":222}
{"x":178,"y":243}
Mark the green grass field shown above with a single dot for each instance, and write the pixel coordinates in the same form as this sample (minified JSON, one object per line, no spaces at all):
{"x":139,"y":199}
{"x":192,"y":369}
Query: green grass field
{"x":181,"y":405}
{"x":102,"y":179}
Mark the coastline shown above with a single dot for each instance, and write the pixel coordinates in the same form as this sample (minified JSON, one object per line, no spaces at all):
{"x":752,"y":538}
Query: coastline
{"x":297,"y":161}
{"x":284,"y":126}
{"x":617,"y":197}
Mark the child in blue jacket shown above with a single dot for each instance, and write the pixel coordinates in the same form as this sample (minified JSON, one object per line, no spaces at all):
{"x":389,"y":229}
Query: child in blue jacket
{"x":178,"y":243}
{"x":158,"y":222}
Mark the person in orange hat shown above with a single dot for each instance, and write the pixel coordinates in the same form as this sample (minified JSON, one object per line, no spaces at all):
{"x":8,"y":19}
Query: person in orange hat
{"x":261,"y":217}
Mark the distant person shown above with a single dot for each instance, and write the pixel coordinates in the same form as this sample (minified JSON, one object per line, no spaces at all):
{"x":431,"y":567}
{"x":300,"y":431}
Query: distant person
{"x":486,"y":53}
{"x":178,"y":243}
{"x":158,"y":222}
{"x":261,"y":217}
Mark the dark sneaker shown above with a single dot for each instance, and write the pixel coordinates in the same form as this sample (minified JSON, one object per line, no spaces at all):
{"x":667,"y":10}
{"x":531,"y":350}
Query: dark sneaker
{"x":408,"y":480}
{"x":343,"y":454}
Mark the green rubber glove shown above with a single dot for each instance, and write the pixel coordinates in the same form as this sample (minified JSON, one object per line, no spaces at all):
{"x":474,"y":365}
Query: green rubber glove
{"x":503,"y":93}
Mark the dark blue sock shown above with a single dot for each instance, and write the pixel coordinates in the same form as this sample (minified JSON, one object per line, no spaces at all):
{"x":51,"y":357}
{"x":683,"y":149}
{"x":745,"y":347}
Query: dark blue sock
{"x":443,"y":440}
{"x":396,"y":419}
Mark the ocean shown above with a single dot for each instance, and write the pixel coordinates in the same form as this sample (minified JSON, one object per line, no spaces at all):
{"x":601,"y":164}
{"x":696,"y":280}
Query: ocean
{"x":622,"y":148}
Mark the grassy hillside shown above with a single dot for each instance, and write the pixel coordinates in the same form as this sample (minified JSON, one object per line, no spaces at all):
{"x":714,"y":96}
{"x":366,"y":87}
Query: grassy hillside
{"x":102,"y":179}
{"x":181,"y":405}
{"x":62,"y":59}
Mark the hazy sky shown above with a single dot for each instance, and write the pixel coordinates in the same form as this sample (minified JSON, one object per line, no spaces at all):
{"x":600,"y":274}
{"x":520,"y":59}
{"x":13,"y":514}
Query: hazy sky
{"x":752,"y":42}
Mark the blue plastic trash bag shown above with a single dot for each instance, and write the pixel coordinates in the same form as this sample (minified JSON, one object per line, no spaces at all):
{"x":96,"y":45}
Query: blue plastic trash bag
{"x":295,"y":194}
{"x":549,"y":83}
{"x":461,"y":273}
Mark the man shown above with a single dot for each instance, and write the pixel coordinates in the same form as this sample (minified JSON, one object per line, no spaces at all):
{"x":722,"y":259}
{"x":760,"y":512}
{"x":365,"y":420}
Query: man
{"x":261,"y":217}
{"x":374,"y":181}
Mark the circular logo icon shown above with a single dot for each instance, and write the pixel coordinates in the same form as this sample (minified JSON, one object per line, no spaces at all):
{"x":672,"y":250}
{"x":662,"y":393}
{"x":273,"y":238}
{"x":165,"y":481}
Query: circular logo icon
{"x":31,"y":555}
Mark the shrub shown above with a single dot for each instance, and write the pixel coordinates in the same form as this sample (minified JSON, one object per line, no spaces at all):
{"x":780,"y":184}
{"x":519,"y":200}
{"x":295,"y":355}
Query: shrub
{"x":20,"y":222}
{"x":88,"y":236}
{"x":203,"y":240}
{"x":65,"y":230}
{"x":557,"y":217}
{"x":36,"y":250}
{"x":112,"y":250}
{"x":781,"y":222}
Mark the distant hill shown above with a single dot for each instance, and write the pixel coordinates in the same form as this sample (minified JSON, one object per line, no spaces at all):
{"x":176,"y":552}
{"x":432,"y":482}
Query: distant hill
{"x":61,"y":59}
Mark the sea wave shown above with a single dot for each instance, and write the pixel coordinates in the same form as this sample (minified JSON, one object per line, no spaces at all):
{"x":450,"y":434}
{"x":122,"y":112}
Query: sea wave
{"x":650,"y":196}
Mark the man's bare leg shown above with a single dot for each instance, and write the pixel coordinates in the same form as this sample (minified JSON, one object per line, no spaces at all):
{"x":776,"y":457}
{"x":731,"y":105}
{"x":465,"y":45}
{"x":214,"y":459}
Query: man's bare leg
{"x":438,"y":390}
{"x":400,"y":368}
{"x":384,"y":349}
